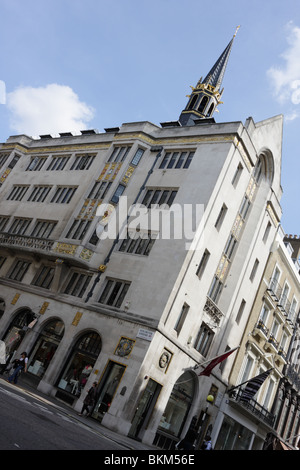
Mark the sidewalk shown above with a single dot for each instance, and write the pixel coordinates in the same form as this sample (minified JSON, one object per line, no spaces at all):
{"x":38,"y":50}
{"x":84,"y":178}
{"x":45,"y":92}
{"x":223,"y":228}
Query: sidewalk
{"x":125,"y":441}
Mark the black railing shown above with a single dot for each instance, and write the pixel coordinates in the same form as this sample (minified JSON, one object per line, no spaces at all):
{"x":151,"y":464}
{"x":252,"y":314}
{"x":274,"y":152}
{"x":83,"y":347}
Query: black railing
{"x":252,"y":406}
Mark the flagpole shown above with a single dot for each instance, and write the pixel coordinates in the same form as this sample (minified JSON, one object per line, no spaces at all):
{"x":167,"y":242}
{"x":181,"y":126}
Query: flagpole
{"x":216,"y":357}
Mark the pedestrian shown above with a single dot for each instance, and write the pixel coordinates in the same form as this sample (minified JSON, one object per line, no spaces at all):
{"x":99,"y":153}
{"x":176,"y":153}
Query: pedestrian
{"x":19,"y":366}
{"x":89,"y":400}
{"x":187,"y":443}
{"x":206,"y":444}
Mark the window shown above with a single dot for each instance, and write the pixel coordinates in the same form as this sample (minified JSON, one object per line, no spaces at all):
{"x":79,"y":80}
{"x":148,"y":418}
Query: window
{"x":19,"y":270}
{"x":82,"y":162}
{"x":63,"y":194}
{"x":3,"y":158}
{"x":77,"y":284}
{"x":264,"y":314}
{"x":119,"y":154}
{"x":39,"y":193}
{"x":45,"y":277}
{"x":204,"y":339}
{"x":159,"y":197}
{"x":230,"y":247}
{"x":137,"y":157}
{"x":3,"y":222}
{"x":254,"y":269}
{"x":203,"y":263}
{"x":17,"y":193}
{"x":221,"y":216}
{"x":237,"y":175}
{"x":14,"y":161}
{"x":139,"y":245}
{"x":177,"y":160}
{"x":78,"y":229}
{"x":181,"y":318}
{"x":114,"y":292}
{"x":267,"y":231}
{"x":36,"y":163}
{"x":216,"y":289}
{"x":58,"y":163}
{"x":244,"y":207}
{"x":99,"y":190}
{"x":118,"y":193}
{"x":2,"y":261}
{"x":240,"y":312}
{"x":19,"y":226}
{"x":43,"y":228}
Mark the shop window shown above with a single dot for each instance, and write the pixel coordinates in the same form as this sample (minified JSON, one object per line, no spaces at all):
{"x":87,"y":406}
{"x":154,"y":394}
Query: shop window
{"x":107,"y":388}
{"x":16,"y":330}
{"x":45,"y":347}
{"x":178,"y":406}
{"x":79,"y":364}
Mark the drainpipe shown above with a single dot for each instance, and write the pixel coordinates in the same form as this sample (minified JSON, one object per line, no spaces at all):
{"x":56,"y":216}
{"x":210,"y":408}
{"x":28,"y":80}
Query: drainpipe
{"x":158,"y":149}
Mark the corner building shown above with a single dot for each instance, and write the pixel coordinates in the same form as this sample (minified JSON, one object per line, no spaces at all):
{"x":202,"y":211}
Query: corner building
{"x":138,"y":315}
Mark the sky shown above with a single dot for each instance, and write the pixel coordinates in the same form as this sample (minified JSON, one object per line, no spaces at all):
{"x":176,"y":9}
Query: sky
{"x":70,"y":65}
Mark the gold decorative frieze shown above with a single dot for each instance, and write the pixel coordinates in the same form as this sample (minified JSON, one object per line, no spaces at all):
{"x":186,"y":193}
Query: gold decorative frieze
{"x":89,"y":209}
{"x":86,"y":254}
{"x":44,"y":308}
{"x":65,"y":248}
{"x":15,"y":299}
{"x":77,"y":318}
{"x":272,"y":214}
{"x":128,"y":174}
{"x":110,"y":171}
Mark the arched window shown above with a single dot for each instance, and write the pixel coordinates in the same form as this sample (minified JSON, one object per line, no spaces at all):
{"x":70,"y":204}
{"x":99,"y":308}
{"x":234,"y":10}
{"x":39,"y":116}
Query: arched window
{"x":210,"y":111}
{"x":203,"y":104}
{"x":17,"y":328}
{"x":45,"y":347}
{"x":80,"y":363}
{"x":192,"y":102}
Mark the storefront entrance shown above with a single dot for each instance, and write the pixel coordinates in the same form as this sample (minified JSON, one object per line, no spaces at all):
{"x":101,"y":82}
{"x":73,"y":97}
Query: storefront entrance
{"x":107,"y":388}
{"x":176,"y":412}
{"x":17,"y":329}
{"x":45,"y":347}
{"x":144,"y":409}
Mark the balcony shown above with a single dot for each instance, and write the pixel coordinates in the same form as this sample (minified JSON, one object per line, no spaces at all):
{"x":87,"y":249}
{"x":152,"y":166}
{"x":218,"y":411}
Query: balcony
{"x":272,"y":344}
{"x":252,"y":407}
{"x":281,"y":356}
{"x":261,"y":329}
{"x":24,"y":242}
{"x":212,"y":309}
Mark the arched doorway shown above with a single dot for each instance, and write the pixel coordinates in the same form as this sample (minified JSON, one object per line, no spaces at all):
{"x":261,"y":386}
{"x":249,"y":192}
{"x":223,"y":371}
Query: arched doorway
{"x":45,"y":347}
{"x":17,"y":329}
{"x":176,"y":411}
{"x":79,"y":365}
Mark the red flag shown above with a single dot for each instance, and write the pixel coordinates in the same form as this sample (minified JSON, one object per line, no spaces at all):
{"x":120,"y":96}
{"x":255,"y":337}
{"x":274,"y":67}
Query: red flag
{"x":215,"y":361}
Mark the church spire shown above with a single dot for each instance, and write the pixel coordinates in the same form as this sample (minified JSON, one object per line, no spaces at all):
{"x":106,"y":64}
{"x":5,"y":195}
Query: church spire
{"x":207,"y":94}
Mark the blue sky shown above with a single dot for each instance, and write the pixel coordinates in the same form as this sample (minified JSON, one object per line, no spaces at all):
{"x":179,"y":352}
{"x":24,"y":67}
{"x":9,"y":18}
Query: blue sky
{"x":68,"y":65}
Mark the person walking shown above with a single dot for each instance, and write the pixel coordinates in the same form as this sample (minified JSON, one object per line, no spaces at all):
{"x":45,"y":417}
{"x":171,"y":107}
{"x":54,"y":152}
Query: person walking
{"x":20,"y":365}
{"x":89,"y":400}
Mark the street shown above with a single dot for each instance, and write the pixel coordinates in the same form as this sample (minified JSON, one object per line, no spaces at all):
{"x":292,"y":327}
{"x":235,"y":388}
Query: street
{"x":30,"y":423}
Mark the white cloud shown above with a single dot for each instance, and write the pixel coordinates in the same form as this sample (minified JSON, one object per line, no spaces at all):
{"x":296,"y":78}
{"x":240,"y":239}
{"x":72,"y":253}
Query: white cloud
{"x":47,"y":110}
{"x":286,"y":78}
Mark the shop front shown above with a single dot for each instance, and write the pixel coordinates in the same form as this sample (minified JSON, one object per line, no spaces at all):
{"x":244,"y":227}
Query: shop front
{"x":176,"y":412}
{"x":78,"y":366}
{"x":45,"y":347}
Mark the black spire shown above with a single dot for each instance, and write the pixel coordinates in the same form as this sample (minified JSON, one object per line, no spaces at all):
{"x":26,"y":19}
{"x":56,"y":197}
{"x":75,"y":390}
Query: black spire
{"x":207,"y":94}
